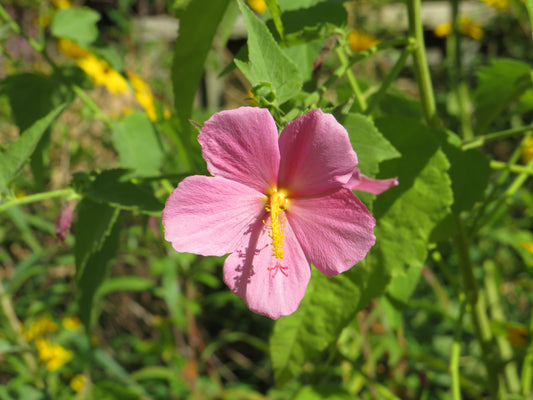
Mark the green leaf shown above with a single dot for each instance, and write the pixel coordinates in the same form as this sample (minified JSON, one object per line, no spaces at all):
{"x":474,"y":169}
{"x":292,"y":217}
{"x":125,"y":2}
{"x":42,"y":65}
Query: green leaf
{"x":304,"y":55}
{"x":76,"y":24}
{"x":329,"y":304}
{"x":529,"y":6}
{"x":500,"y":84}
{"x":275,"y":11}
{"x":332,"y":392}
{"x":93,"y":225}
{"x":125,"y":284}
{"x":115,"y":188}
{"x":190,"y":52}
{"x":469,"y":171}
{"x":268,"y":64}
{"x":16,"y":155}
{"x":370,"y":145}
{"x":137,"y":144}
{"x":313,"y":21}
{"x":406,"y":214}
{"x":96,"y":243}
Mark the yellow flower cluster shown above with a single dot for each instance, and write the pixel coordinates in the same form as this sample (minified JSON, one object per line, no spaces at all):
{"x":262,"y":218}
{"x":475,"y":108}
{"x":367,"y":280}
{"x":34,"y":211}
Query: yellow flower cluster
{"x":527,"y":155}
{"x":259,"y":6}
{"x":143,"y":94}
{"x":528,"y":246}
{"x":77,"y":383}
{"x":102,"y":74}
{"x":53,"y":354}
{"x":360,"y":41}
{"x":467,"y":26}
{"x":502,"y":5}
{"x":40,"y":327}
{"x":62,"y":4}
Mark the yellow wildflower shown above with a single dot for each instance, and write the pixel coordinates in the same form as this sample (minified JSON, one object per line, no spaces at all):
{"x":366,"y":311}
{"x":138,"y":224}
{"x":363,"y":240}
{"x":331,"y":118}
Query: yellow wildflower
{"x":71,"y":323}
{"x":71,"y":49}
{"x":527,"y":154}
{"x":259,"y":6}
{"x":38,"y":328}
{"x":143,"y":94}
{"x":360,"y":41}
{"x":467,"y":26}
{"x":502,"y":5}
{"x":62,"y":4}
{"x":102,"y":74}
{"x":54,"y":355}
{"x":77,"y":383}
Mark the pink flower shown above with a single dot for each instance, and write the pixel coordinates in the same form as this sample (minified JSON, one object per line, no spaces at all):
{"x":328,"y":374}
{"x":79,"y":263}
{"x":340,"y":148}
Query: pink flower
{"x":276,"y":204}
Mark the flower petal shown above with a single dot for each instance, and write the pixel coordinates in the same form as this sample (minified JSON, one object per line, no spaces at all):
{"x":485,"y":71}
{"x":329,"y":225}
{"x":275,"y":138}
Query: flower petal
{"x":335,"y":231}
{"x":316,"y":155}
{"x":209,"y":215}
{"x":358,"y":181}
{"x":272,"y":292}
{"x":242,"y":145}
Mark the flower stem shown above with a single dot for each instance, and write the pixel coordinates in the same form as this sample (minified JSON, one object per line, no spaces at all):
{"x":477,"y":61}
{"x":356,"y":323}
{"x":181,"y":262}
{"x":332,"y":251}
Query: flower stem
{"x":497,"y":314}
{"x":361,"y":102}
{"x":427,"y":98}
{"x":479,"y":141}
{"x":527,"y":366}
{"x":456,"y":353}
{"x":393,"y":74}
{"x":521,"y":169}
{"x":477,"y":308}
{"x":38,"y":197}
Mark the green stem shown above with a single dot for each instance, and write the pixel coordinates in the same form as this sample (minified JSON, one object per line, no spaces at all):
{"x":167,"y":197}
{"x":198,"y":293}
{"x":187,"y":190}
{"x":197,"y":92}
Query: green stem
{"x":15,"y":324}
{"x":341,"y":70}
{"x":393,"y":74}
{"x":16,"y":28}
{"x":479,"y":141}
{"x":527,"y":366}
{"x":495,"y":306}
{"x":38,"y":197}
{"x":456,"y":353}
{"x":361,"y":102}
{"x":479,"y":316}
{"x":521,"y":169}
{"x":427,"y":98}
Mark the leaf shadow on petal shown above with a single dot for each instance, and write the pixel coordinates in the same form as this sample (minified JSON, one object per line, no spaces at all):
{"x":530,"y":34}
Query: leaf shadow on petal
{"x":247,"y":254}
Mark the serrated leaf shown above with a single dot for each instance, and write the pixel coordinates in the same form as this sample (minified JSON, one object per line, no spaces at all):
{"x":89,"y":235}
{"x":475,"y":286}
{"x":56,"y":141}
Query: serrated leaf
{"x":138,"y":148}
{"x":469,"y":171}
{"x":190,"y":51}
{"x":407,"y":213}
{"x":77,"y":24}
{"x":93,"y":225}
{"x":500,"y":84}
{"x":329,"y":304}
{"x":370,"y":145}
{"x":16,"y":155}
{"x":96,"y":243}
{"x":304,"y":55}
{"x":267,"y":62}
{"x":115,"y":188}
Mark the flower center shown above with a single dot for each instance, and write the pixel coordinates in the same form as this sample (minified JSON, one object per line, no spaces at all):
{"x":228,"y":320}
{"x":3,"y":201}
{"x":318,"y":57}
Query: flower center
{"x":277,"y":203}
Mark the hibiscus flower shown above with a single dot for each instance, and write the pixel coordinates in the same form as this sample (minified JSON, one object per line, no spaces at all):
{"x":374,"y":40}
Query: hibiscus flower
{"x":277,"y":204}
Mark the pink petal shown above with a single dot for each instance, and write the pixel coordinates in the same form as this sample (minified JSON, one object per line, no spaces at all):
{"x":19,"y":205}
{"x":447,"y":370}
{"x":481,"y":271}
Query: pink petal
{"x":335,"y":231}
{"x":275,"y":292}
{"x":242,"y":145}
{"x":209,"y":215}
{"x":358,"y":181}
{"x":316,"y":155}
